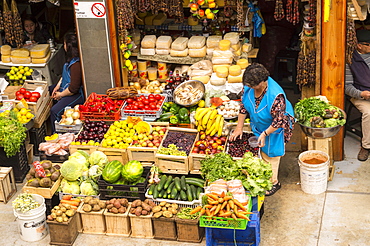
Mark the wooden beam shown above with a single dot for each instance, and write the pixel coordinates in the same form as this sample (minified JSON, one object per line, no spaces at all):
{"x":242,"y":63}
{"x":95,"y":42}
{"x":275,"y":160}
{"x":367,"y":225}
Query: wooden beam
{"x":333,"y":43}
{"x":114,"y":46}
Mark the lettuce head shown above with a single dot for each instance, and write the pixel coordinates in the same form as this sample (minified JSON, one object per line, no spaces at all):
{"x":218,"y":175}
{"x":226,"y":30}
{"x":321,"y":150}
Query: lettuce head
{"x":71,"y":187}
{"x":98,"y":158}
{"x":80,"y":158}
{"x":72,"y":169}
{"x":89,"y":188}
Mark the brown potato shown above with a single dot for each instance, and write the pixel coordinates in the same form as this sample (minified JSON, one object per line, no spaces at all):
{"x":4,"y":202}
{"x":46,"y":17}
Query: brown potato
{"x":167,"y":214}
{"x":156,"y":209}
{"x":87,"y":208}
{"x":158,"y":214}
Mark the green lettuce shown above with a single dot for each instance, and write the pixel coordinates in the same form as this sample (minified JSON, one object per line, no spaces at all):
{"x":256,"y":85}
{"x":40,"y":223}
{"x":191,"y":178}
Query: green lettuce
{"x":98,"y":158}
{"x":80,"y":158}
{"x":72,"y":169}
{"x":71,"y":187}
{"x":89,"y":188}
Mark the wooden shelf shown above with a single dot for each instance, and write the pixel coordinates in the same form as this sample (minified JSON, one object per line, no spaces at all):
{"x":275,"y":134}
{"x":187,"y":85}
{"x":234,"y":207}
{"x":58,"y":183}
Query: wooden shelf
{"x":172,"y":59}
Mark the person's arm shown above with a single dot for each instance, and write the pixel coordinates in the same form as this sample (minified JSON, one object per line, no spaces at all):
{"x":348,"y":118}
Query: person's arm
{"x":76,"y":81}
{"x":349,"y":88}
{"x":56,"y":89}
{"x":238,"y":131}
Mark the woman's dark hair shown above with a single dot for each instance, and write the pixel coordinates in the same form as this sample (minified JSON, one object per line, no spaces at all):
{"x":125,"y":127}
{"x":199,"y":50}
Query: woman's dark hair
{"x":70,"y":39}
{"x":255,"y":74}
{"x":33,"y":19}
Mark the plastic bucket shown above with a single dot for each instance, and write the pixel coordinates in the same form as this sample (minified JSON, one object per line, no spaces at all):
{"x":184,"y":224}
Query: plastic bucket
{"x":32,"y":224}
{"x":314,"y":171}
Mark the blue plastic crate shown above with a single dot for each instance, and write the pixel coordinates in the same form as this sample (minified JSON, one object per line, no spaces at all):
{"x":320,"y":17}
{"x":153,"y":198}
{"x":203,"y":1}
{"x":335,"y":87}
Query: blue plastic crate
{"x":226,"y":237}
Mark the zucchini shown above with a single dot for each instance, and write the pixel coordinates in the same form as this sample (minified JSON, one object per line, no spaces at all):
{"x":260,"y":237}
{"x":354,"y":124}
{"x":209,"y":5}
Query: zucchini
{"x":183,"y":182}
{"x":155,"y":193}
{"x":161,"y":194}
{"x":165,"y":116}
{"x":194,"y":192}
{"x":168,"y":182}
{"x":188,"y":193}
{"x":174,"y":193}
{"x":151,"y":189}
{"x":183,"y":195}
{"x":169,"y":189}
{"x":177,"y":183}
{"x":161,"y":182}
{"x":199,"y":190}
{"x":165,"y":195}
{"x":177,"y":197}
{"x":195,"y":181}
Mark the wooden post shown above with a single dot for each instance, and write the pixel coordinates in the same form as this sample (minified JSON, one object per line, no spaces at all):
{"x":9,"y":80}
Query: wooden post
{"x":333,"y":43}
{"x":114,"y":43}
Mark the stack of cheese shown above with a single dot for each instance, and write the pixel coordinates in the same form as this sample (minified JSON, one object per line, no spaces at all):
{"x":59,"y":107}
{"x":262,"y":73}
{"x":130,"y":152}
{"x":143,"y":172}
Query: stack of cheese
{"x":38,"y":54}
{"x":163,"y":45}
{"x":148,"y":45}
{"x":235,"y":45}
{"x":179,"y":47}
{"x":147,"y":18}
{"x":235,"y":74}
{"x":197,"y":46}
{"x":212,"y":44}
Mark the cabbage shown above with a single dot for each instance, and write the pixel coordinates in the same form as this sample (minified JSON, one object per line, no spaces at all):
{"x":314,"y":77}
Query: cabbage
{"x":71,"y":170}
{"x":80,"y":158}
{"x":132,"y":171}
{"x":98,"y":158}
{"x":95,"y":172}
{"x":89,"y":188}
{"x":71,"y":187}
{"x":84,"y":153}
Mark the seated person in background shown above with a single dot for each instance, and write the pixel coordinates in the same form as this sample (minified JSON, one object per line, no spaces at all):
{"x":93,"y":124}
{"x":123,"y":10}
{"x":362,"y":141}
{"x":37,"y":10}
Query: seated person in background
{"x":357,"y":86}
{"x":69,"y":90}
{"x":33,"y":34}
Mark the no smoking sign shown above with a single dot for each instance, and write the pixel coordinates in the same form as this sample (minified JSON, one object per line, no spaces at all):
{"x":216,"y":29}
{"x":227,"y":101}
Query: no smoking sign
{"x":98,"y":9}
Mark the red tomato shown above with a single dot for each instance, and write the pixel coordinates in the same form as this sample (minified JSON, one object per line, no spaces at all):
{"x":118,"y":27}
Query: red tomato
{"x":146,"y":101}
{"x":135,"y":103}
{"x":153,"y":106}
{"x":22,"y":90}
{"x":151,"y":96}
{"x":142,"y":97}
{"x":27,"y":94}
{"x":135,"y":107}
{"x":19,"y":97}
{"x":36,"y":94}
{"x":128,"y":107}
{"x":129,"y":100}
{"x":33,"y":99}
{"x":139,"y":99}
{"x":140,"y":105}
{"x":151,"y":99}
{"x":158,"y":97}
{"x":18,"y":93}
{"x":146,"y":107}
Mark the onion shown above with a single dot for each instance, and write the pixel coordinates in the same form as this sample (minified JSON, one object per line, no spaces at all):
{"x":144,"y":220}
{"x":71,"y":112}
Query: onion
{"x":68,"y":112}
{"x":76,"y":108}
{"x":77,"y":122}
{"x":75,"y":115}
{"x":68,"y":121}
{"x":137,"y":85}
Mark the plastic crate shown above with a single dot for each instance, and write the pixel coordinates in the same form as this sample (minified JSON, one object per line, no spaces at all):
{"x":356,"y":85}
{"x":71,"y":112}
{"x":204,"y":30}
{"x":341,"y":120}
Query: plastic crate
{"x":67,"y":128}
{"x":97,"y":116}
{"x":19,"y":163}
{"x":148,"y":115}
{"x":131,"y":192}
{"x":51,"y":202}
{"x":37,"y":136}
{"x":53,"y":158}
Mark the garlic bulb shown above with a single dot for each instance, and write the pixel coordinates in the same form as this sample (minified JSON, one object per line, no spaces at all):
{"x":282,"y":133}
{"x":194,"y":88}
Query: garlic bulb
{"x":76,"y":108}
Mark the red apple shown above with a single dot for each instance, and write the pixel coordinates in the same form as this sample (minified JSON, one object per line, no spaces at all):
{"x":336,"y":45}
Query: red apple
{"x":211,"y":141}
{"x":195,"y":150}
{"x":201,"y":152}
{"x":218,"y":151}
{"x":214,"y":145}
{"x":223,"y":139}
{"x":219,"y":141}
{"x":144,"y":144}
{"x":202,"y":146}
{"x":150,"y":144}
{"x":157,"y":144}
{"x":202,"y":136}
{"x":215,"y":138}
{"x":150,"y":137}
{"x":208,"y":137}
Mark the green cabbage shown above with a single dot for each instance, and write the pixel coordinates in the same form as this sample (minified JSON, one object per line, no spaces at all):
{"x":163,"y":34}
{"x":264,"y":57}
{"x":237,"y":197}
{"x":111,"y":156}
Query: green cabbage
{"x":84,"y":153}
{"x":80,"y":158}
{"x":89,"y":188}
{"x":132,"y":171}
{"x":98,"y":158}
{"x":72,"y":169}
{"x":71,"y":187}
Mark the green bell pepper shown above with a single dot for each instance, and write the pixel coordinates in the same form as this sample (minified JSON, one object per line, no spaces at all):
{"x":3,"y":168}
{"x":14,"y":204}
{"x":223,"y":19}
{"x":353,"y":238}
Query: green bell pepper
{"x":167,"y":106}
{"x":174,"y":119}
{"x":175,"y":108}
{"x":183,"y":114}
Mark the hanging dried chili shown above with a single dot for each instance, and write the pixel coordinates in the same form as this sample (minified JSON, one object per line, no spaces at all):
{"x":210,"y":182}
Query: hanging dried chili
{"x":312,"y":13}
{"x":279,"y":10}
{"x":239,"y":14}
{"x":17,"y":25}
{"x":351,"y":40}
{"x":289,"y":10}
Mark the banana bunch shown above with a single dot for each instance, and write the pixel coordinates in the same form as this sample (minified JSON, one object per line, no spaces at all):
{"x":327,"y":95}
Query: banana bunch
{"x":208,"y":120}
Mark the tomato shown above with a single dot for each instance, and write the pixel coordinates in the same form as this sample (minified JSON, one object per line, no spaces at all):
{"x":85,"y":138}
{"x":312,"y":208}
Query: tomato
{"x":19,"y":97}
{"x":134,"y":107}
{"x":151,"y":96}
{"x":142,"y":97}
{"x":22,"y":90}
{"x":140,"y":105}
{"x":153,"y":106}
{"x":146,"y":107}
{"x":33,"y":99}
{"x":128,"y":107}
{"x":151,"y":99}
{"x":36,"y":94}
{"x":146,"y":101}
{"x":158,"y":97}
{"x":27,"y":94}
{"x":135,"y":103}
{"x":129,"y":100}
{"x":18,"y":93}
{"x":139,"y":99}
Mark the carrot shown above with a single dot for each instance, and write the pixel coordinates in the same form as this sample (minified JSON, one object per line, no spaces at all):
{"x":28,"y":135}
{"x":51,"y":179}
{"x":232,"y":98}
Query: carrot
{"x":202,"y":211}
{"x":227,"y":207}
{"x":70,"y":202}
{"x":227,"y":198}
{"x":231,"y":203}
{"x":67,"y":197}
{"x":218,"y":208}
{"x":220,"y":200}
{"x":212,"y":196}
{"x":245,"y":212}
{"x":239,"y":204}
{"x":242,"y":216}
{"x":224,"y":204}
{"x":235,"y":209}
{"x":74,"y":207}
{"x":195,"y":210}
{"x":245,"y":203}
{"x":213,"y":208}
{"x":213,"y":202}
{"x":212,"y":213}
{"x":208,"y":206}
{"x":227,"y":214}
{"x":223,"y":194}
{"x":208,"y":213}
{"x":234,"y":216}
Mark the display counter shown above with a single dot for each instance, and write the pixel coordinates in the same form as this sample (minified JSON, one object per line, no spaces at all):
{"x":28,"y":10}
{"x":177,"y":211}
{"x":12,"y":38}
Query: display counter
{"x":51,"y":70}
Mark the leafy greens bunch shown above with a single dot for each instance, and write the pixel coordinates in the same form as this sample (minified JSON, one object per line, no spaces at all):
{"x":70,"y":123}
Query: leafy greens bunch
{"x":12,"y":135}
{"x":254,"y":173}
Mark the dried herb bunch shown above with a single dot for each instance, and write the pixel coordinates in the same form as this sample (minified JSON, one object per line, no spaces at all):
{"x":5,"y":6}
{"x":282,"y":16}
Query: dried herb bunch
{"x":306,"y":67}
{"x":17,"y":25}
{"x":279,"y":10}
{"x":8,"y":23}
{"x":240,"y":14}
{"x":351,"y":39}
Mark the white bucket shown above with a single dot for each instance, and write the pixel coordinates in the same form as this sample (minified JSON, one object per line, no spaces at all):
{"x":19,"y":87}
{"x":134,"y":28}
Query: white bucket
{"x":32,"y":224}
{"x":314,"y":171}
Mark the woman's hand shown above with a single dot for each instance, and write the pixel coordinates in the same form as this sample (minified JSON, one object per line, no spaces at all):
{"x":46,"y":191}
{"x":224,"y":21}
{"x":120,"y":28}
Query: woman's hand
{"x":261,"y":140}
{"x":57,"y":95}
{"x":236,"y":133}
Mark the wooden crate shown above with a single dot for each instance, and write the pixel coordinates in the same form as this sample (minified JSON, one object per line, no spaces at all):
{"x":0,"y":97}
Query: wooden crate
{"x":64,"y":233}
{"x":118,"y":224}
{"x":172,"y":163}
{"x":164,"y":228}
{"x":44,"y":114}
{"x":115,"y":154}
{"x":87,"y":148}
{"x":29,"y":150}
{"x":44,"y":192}
{"x":141,"y":226}
{"x":189,"y":230}
{"x":10,"y":91}
{"x":7,"y":184}
{"x":92,"y":222}
{"x":325,"y":145}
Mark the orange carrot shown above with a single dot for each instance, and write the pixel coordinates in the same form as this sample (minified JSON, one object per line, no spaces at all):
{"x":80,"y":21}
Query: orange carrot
{"x":245,"y":212}
{"x":218,"y":208}
{"x":239,"y":204}
{"x":223,"y":194}
{"x":213,"y":208}
{"x":233,"y":216}
{"x":197,"y":209}
{"x":212,"y":196}
{"x":202,"y":211}
{"x":231,"y":203}
{"x":227,"y":198}
{"x":227,"y":214}
{"x":224,"y":205}
{"x":227,"y":207}
{"x":213,"y":202}
{"x":208,"y":206}
{"x":70,"y":202}
{"x":242,"y":216}
{"x":208,"y":213}
{"x":220,"y":200}
{"x":67,"y":197}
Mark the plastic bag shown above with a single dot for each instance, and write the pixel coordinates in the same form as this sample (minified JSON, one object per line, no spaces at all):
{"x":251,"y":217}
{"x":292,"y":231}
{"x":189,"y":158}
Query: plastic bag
{"x":210,"y":94}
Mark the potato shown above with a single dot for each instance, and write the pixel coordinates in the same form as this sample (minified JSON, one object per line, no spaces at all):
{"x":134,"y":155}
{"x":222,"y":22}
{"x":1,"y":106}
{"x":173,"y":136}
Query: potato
{"x":65,"y":219}
{"x":156,"y":209}
{"x":122,"y":210}
{"x":114,"y":210}
{"x":50,"y":217}
{"x":138,"y":211}
{"x":163,"y":203}
{"x":158,"y":214}
{"x":167,"y":214}
{"x":59,"y":212}
{"x":164,"y":209}
{"x":87,"y":199}
{"x":96,"y":208}
{"x":168,"y":205}
{"x":93,"y":202}
{"x":144,"y":212}
{"x":117,"y":204}
{"x":109,"y":206}
{"x":102,"y":204}
{"x":172,"y":210}
{"x":136,"y":203}
{"x":87,"y":208}
{"x":175,"y":205}
{"x":146,"y":207}
{"x":63,"y":209}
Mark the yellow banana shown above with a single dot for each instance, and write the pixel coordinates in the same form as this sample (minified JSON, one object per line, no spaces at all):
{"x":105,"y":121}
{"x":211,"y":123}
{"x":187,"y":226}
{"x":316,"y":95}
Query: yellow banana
{"x":206,"y":117}
{"x":211,"y":128}
{"x":221,"y":127}
{"x":213,"y":115}
{"x":213,"y":132}
{"x":200,"y":128}
{"x":211,"y":122}
{"x":217,"y":121}
{"x":215,"y":126}
{"x":202,"y":112}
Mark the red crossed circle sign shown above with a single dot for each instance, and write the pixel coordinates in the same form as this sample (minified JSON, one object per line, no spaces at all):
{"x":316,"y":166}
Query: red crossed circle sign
{"x":98,"y":9}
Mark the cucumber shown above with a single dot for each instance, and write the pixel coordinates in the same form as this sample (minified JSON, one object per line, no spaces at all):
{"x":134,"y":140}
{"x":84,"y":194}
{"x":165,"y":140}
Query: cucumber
{"x":183,"y":182}
{"x":183,"y":195}
{"x":188,"y":193}
{"x":194,"y":181}
{"x":199,"y":190}
{"x":168,"y":182}
{"x":161,"y":193}
{"x":155,"y":193}
{"x":165,"y":195}
{"x":170,"y":187}
{"x":194,"y":192}
{"x":174,"y":193}
{"x":177,"y":197}
{"x":177,"y":183}
{"x":162,"y":182}
{"x":151,"y":189}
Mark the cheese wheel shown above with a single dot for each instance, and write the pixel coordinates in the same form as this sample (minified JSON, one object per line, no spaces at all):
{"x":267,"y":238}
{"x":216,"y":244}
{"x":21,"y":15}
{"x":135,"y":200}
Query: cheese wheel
{"x":235,"y":79}
{"x":5,"y":50}
{"x":224,"y":44}
{"x":198,"y":52}
{"x":22,"y":52}
{"x":203,"y":79}
{"x":243,"y":63}
{"x":233,"y":37}
{"x":222,"y":60}
{"x":221,"y":65}
{"x":222,"y":72}
{"x":215,"y":80}
{"x":41,"y":60}
{"x":235,"y":70}
{"x":40,"y":51}
{"x":212,"y":41}
{"x":5,"y":58}
{"x":20,"y":60}
{"x":148,"y":41}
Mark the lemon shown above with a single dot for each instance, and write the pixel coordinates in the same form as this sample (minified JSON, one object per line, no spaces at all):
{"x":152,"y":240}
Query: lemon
{"x":20,"y":76}
{"x":26,"y":69}
{"x":29,"y":115}
{"x":24,"y":118}
{"x":8,"y":74}
{"x":207,"y":11}
{"x":12,"y":72}
{"x":97,"y":144}
{"x":117,"y":124}
{"x":104,"y":144}
{"x":78,"y":143}
{"x":130,"y":125}
{"x":201,"y":103}
{"x":27,"y":73}
{"x":16,"y":69}
{"x":23,"y":111}
{"x":20,"y":67}
{"x":83,"y":143}
{"x":31,"y":70}
{"x":24,"y":78}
